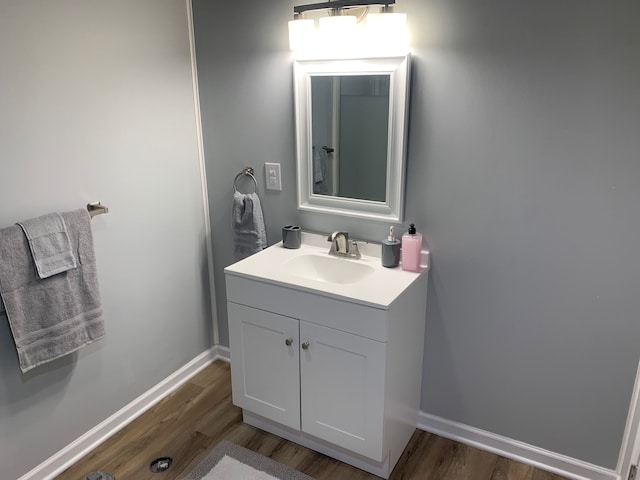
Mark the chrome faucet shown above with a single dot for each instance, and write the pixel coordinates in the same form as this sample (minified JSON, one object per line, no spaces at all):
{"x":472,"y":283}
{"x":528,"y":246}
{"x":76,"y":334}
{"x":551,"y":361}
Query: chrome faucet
{"x":341,"y":247}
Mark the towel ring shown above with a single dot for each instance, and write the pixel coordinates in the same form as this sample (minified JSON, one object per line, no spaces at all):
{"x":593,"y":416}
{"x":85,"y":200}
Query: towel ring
{"x":246,"y":171}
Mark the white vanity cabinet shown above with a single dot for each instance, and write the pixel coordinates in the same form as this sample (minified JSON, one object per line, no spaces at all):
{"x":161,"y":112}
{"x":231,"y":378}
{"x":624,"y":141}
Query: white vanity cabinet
{"x":336,"y":374}
{"x":307,"y":377}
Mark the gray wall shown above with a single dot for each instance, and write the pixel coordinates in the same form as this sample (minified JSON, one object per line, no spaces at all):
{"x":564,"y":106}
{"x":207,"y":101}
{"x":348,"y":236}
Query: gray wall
{"x":97,"y":104}
{"x":523,"y":172}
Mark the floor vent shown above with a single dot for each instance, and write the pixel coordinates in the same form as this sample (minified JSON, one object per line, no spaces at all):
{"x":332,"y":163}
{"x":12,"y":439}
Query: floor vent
{"x":160,"y":465}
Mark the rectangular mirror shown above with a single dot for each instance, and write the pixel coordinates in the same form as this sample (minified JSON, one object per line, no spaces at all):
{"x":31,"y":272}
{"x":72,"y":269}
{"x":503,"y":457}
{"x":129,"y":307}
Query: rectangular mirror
{"x":351,"y":119}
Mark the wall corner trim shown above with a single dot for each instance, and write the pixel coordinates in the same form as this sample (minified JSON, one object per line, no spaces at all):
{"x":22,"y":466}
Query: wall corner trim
{"x":203,"y":171}
{"x":630,"y":448}
{"x":514,"y":449}
{"x":66,"y":457}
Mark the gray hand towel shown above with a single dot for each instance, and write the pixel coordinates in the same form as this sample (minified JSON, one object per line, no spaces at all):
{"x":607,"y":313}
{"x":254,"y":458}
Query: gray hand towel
{"x":249,"y":234}
{"x":49,"y":244}
{"x":54,"y":316}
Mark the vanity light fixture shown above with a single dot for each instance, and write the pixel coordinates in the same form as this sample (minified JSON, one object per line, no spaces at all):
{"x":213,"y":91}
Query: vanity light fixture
{"x":341,"y":34}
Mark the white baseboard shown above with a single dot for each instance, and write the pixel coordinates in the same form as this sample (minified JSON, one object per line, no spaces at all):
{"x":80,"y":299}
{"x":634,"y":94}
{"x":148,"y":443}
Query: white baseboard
{"x":514,"y":449}
{"x":222,"y":353}
{"x":66,"y":457}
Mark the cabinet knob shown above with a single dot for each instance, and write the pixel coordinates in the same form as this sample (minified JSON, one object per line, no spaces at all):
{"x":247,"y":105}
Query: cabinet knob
{"x":305,"y":346}
{"x":288,"y":342}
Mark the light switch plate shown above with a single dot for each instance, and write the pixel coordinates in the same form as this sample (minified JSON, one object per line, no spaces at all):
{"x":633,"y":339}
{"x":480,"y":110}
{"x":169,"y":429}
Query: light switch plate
{"x":272,"y":176}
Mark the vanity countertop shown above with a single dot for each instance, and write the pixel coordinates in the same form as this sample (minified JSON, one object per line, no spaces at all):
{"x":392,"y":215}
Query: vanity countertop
{"x":377,"y":288}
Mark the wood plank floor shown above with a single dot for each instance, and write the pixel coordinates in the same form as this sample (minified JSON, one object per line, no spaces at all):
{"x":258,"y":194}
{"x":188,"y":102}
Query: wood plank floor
{"x":191,"y":421}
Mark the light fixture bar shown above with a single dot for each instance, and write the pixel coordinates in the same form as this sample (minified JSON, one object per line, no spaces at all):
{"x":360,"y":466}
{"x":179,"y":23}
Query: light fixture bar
{"x":340,"y":4}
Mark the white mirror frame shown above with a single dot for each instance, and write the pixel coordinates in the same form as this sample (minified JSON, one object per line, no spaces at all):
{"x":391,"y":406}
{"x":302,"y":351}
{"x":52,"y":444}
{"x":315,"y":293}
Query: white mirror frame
{"x":391,"y":210}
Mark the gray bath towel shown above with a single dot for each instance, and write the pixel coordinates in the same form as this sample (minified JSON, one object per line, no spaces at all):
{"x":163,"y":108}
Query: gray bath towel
{"x":49,"y":244}
{"x":54,"y":316}
{"x":249,"y":234}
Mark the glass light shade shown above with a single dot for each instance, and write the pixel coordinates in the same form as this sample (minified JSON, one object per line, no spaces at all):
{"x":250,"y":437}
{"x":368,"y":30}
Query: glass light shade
{"x":388,"y":30}
{"x":337,"y":31}
{"x":301,"y":34}
{"x":338,"y":23}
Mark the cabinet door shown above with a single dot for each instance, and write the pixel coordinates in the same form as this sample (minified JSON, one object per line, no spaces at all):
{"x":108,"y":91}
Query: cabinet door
{"x":342,"y":385}
{"x":265,"y":357}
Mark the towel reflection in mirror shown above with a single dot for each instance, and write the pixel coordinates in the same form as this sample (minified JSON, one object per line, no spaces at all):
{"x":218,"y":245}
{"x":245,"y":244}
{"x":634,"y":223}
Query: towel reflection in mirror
{"x":320,"y":174}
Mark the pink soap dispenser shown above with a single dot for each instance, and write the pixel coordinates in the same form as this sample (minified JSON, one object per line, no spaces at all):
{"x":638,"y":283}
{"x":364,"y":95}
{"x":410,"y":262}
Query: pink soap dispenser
{"x":411,"y":250}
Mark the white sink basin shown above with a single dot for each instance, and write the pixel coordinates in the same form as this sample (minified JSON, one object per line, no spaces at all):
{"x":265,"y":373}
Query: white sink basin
{"x":327,"y":269}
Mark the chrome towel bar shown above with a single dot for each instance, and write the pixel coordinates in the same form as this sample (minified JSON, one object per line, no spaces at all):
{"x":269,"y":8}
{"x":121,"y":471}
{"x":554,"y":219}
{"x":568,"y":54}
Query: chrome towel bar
{"x":96,"y":208}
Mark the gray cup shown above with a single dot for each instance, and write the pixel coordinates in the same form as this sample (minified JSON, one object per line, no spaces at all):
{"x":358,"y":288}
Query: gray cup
{"x":291,"y":236}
